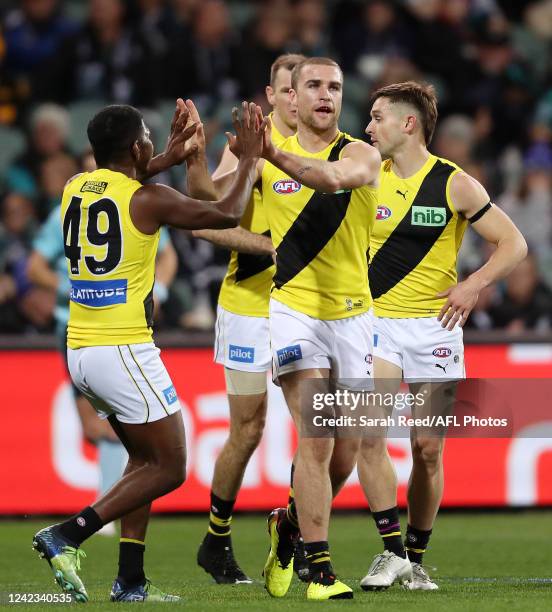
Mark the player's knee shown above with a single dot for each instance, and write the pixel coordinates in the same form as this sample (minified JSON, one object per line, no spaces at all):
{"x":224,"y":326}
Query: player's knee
{"x":173,"y":468}
{"x":344,"y":457}
{"x":427,"y":452}
{"x":316,"y":450}
{"x":373,"y":449}
{"x":248,"y":431}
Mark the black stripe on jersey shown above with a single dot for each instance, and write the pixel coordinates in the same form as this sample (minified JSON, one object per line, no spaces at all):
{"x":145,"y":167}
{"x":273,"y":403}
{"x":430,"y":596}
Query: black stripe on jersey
{"x":249,"y":264}
{"x":408,"y":244}
{"x":148,"y":308}
{"x":312,"y":229}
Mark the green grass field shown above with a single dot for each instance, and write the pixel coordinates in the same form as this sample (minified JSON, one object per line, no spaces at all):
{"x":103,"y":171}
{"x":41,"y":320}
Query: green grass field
{"x":483,"y":561}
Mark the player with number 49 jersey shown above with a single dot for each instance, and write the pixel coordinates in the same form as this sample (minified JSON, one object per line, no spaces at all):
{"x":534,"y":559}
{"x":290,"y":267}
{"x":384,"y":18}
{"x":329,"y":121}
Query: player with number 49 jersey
{"x":111,"y":295}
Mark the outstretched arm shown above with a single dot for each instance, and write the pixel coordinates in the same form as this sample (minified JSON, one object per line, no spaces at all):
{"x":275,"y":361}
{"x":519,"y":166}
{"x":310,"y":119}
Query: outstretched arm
{"x":238,"y":239}
{"x":471,"y":199}
{"x":156,"y":205}
{"x":199,"y":182}
{"x":201,"y":186}
{"x":359,"y":165}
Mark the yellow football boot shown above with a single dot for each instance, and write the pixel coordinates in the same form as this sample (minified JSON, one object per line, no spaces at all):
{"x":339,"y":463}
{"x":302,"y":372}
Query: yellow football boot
{"x":278,"y":569}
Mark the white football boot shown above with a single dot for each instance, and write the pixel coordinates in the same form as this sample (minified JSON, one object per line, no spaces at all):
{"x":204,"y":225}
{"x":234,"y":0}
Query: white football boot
{"x":420,"y":580}
{"x":386,"y":569}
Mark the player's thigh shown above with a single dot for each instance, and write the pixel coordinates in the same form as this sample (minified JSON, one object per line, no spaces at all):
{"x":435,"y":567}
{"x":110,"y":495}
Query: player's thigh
{"x":387,"y":349}
{"x":298,"y":342}
{"x":129,"y":381}
{"x":298,"y":388}
{"x":242,"y":342}
{"x":247,"y":399}
{"x":162,"y":442}
{"x":352,"y":351}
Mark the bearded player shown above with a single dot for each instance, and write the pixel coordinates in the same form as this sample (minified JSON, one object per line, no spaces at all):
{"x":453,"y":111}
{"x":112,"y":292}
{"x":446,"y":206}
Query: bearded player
{"x":242,"y":343}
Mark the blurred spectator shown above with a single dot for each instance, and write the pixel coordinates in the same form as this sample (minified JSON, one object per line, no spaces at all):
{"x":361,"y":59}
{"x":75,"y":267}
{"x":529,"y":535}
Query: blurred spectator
{"x":105,"y":60}
{"x":200,"y":271}
{"x":455,"y":139}
{"x":532,"y":41}
{"x":530,"y":207}
{"x":34,"y":34}
{"x":201,"y":64}
{"x":480,"y":317}
{"x":267,"y":37}
{"x":47,"y":136}
{"x":19,"y":302}
{"x":441,"y":46}
{"x":367,"y":42}
{"x":54,"y":174}
{"x":310,"y":18}
{"x":527,"y":302}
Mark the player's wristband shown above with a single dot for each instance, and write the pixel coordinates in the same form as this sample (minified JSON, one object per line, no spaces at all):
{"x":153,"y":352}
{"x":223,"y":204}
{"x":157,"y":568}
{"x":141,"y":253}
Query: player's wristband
{"x":480,"y":213}
{"x":160,"y":292}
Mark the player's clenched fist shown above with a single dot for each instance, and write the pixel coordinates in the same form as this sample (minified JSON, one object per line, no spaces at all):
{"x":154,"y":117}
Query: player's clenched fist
{"x":249,"y":131}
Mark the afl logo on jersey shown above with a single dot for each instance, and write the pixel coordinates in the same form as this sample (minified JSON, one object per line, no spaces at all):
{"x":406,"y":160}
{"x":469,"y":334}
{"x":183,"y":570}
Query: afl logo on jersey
{"x":442,"y":352}
{"x":383,"y":213}
{"x":285,"y":186}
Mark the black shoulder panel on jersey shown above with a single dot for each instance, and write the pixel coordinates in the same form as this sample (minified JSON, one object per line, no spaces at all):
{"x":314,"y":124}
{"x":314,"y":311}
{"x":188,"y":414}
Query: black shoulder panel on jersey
{"x":312,"y":229}
{"x":249,"y":264}
{"x":410,"y":242}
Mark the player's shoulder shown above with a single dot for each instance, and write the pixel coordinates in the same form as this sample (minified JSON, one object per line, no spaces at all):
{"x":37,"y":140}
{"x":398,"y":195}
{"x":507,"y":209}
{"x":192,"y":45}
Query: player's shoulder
{"x":467,"y":193}
{"x":447,"y":163}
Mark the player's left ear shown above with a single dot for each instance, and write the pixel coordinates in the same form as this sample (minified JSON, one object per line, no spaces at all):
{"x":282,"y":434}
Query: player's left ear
{"x":269,"y":95}
{"x":136,"y":151}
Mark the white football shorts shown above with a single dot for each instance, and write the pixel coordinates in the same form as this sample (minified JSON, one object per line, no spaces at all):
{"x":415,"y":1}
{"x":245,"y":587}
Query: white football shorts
{"x":129,"y":381}
{"x":344,"y":346}
{"x":425,"y":351}
{"x":241,"y":342}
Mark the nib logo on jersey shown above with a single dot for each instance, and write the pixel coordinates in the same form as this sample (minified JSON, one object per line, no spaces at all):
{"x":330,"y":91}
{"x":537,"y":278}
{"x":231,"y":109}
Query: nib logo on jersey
{"x":285,"y":186}
{"x":429,"y":216}
{"x":243,"y":354}
{"x":99,"y":293}
{"x":289,"y":354}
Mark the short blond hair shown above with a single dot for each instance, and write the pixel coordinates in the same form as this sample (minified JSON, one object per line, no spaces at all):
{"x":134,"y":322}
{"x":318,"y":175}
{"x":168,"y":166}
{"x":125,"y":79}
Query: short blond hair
{"x":312,"y":61}
{"x":287,"y":61}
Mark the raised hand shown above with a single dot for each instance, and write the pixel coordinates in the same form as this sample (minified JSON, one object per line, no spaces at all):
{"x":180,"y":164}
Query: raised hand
{"x":180,"y":144}
{"x":268,"y":145}
{"x":198,"y":139}
{"x":249,"y":131}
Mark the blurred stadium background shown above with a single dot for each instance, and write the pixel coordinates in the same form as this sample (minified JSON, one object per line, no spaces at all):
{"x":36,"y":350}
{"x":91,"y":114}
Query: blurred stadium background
{"x":60,"y":61}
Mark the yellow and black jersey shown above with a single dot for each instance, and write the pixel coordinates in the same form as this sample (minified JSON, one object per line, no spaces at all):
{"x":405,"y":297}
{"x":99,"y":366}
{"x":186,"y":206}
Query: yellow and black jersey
{"x":111,"y":263}
{"x":245,"y":289}
{"x":415,"y":240}
{"x":321,"y":239}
